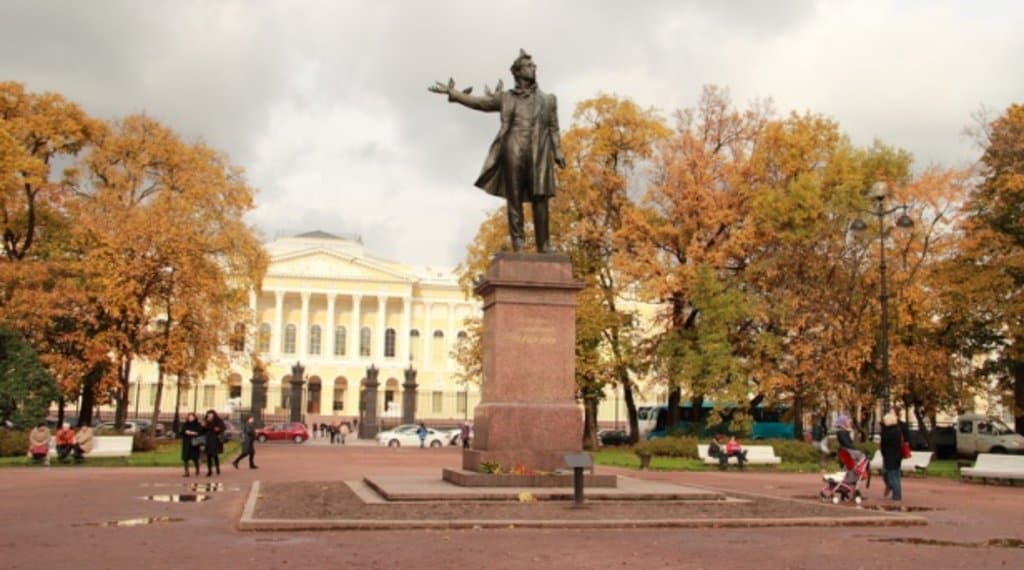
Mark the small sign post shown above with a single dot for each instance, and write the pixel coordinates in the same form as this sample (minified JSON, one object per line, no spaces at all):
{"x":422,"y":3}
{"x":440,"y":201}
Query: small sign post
{"x":578,"y":462}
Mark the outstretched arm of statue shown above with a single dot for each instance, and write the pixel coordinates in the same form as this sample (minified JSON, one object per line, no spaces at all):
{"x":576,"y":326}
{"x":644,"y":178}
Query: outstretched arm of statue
{"x":488,"y":103}
{"x":556,"y":136}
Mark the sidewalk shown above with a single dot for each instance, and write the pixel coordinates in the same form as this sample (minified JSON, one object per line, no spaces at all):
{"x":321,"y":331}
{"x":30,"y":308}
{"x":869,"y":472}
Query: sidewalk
{"x":50,"y":517}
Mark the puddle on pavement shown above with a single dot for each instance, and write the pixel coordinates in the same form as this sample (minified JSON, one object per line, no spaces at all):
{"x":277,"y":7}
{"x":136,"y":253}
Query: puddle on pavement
{"x":992,"y":542}
{"x":900,"y":508}
{"x":134,"y":522}
{"x":183,"y":498}
{"x":210,"y":487}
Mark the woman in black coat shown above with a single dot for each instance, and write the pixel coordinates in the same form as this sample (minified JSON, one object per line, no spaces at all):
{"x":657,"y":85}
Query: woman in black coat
{"x":191,"y":429}
{"x":214,"y":447}
{"x":891,"y":447}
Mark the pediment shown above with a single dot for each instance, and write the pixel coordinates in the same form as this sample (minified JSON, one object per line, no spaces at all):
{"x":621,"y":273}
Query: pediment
{"x":329,"y":265}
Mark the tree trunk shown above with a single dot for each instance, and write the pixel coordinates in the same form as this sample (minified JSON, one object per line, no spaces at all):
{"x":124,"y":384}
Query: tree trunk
{"x":672,"y":413}
{"x":177,"y":406}
{"x":590,"y":422}
{"x":60,"y":411}
{"x":1018,"y":397}
{"x":124,"y":373}
{"x":798,"y":415}
{"x":634,"y":422}
{"x":89,"y":382}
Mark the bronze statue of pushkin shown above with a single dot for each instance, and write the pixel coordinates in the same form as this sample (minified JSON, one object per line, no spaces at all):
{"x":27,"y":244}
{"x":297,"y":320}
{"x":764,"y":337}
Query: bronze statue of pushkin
{"x":520,"y":163}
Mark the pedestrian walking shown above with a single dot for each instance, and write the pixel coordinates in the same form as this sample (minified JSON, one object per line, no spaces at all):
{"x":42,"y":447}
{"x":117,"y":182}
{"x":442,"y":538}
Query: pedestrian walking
{"x":464,"y":435}
{"x":248,"y":444}
{"x":191,"y":441}
{"x":422,"y":432}
{"x":314,"y":430}
{"x":343,"y":431}
{"x":891,"y":446}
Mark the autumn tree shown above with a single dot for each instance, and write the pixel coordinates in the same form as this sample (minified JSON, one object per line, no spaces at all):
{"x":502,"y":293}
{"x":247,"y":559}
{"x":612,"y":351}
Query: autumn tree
{"x":607,"y":149}
{"x":161,"y":221}
{"x":694,"y":214}
{"x":37,"y":131}
{"x":989,"y":270}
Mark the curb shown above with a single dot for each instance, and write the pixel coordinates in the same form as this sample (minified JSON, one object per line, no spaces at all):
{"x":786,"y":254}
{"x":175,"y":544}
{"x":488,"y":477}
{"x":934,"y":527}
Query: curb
{"x":249,"y":523}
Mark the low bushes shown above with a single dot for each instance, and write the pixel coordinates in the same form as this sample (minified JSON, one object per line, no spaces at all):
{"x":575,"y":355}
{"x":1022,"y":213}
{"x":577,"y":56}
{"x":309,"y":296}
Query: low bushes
{"x":671,"y":446}
{"x":13,"y":443}
{"x":143,"y":442}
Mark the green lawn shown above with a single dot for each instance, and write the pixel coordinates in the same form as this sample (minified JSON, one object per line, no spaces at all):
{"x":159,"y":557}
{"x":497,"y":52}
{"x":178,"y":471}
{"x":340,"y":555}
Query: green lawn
{"x":167,"y":454}
{"x":625,"y":457}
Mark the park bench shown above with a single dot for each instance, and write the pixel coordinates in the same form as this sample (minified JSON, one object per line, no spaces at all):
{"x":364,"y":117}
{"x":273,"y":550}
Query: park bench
{"x":917,"y":462}
{"x":756,"y":455}
{"x":105,"y":446}
{"x":995,"y":466}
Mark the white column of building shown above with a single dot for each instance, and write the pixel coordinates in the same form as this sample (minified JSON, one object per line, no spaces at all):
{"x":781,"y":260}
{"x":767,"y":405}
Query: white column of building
{"x":353,"y":335}
{"x":302,"y":351}
{"x":449,"y":337}
{"x":328,"y":351}
{"x":427,"y":336}
{"x":377,"y":344}
{"x":254,"y":325}
{"x":403,"y":348}
{"x":277,"y":335}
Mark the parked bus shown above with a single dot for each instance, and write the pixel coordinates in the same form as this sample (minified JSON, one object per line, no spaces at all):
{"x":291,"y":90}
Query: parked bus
{"x":768,"y":422}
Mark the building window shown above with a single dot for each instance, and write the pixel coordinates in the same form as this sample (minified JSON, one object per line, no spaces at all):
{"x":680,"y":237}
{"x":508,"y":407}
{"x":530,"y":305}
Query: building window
{"x":437,"y":402}
{"x":339,"y":341}
{"x":289,"y":339}
{"x":389,"y":343}
{"x":314,"y":339}
{"x":414,"y":345}
{"x":437,"y":353}
{"x":209,"y":396}
{"x":364,"y":341}
{"x":238,"y":338}
{"x":461,"y":336}
{"x":339,"y":399}
{"x":461,"y":402}
{"x":264,"y":340}
{"x":152,"y":396}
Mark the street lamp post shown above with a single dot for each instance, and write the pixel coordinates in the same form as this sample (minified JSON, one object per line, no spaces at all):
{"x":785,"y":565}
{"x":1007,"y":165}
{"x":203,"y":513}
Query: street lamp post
{"x":878,"y":195}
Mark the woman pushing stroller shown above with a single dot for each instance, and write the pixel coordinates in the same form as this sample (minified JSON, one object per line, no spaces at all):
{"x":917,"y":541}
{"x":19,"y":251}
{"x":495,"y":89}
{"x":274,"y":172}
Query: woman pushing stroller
{"x":843,"y":485}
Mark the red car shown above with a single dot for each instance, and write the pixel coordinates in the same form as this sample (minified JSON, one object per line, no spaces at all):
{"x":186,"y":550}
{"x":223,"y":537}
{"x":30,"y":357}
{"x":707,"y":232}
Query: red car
{"x":294,"y":431}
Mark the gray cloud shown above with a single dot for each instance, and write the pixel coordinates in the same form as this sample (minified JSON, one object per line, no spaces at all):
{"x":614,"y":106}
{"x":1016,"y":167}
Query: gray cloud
{"x":325,"y":103}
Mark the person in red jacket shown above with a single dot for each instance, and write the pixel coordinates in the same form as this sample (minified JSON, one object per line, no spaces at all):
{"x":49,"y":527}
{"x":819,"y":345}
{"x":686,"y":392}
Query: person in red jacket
{"x":734,"y":449}
{"x":65,"y":441}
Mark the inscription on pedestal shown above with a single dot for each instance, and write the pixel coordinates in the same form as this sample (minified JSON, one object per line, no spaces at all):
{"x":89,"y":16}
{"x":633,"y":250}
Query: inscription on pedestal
{"x":535,"y":331}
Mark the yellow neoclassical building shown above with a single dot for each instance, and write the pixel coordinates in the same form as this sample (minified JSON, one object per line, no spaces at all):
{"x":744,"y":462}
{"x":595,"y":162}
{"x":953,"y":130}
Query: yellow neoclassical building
{"x":336,"y":308}
{"x":329,"y":303}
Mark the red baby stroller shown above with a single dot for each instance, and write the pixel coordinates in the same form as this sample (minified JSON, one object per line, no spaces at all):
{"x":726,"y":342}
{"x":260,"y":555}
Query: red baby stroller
{"x":842,"y":486}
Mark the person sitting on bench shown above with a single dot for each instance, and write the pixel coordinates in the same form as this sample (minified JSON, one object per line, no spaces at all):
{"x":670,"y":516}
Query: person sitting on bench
{"x":734,"y":449}
{"x":716,"y":449}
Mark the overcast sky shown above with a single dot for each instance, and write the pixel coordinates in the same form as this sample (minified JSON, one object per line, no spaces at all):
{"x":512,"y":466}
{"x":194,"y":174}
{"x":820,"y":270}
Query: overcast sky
{"x":325,"y":103}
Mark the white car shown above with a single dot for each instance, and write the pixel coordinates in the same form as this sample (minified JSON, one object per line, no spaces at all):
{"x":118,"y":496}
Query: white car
{"x":405,"y":434}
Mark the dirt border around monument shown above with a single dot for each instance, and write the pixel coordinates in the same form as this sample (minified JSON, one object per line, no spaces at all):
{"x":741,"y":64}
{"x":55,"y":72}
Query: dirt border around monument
{"x":554,"y":514}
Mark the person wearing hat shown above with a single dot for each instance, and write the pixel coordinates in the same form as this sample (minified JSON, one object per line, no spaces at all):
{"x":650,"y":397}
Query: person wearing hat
{"x":843,"y":435}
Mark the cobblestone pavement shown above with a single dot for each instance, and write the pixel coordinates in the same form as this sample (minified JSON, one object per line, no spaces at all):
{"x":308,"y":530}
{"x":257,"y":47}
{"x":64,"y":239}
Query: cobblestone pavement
{"x":50,"y":518}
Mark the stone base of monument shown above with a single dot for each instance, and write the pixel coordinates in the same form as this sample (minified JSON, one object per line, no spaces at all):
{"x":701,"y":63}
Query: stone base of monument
{"x":464,"y":478}
{"x":528,"y":418}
